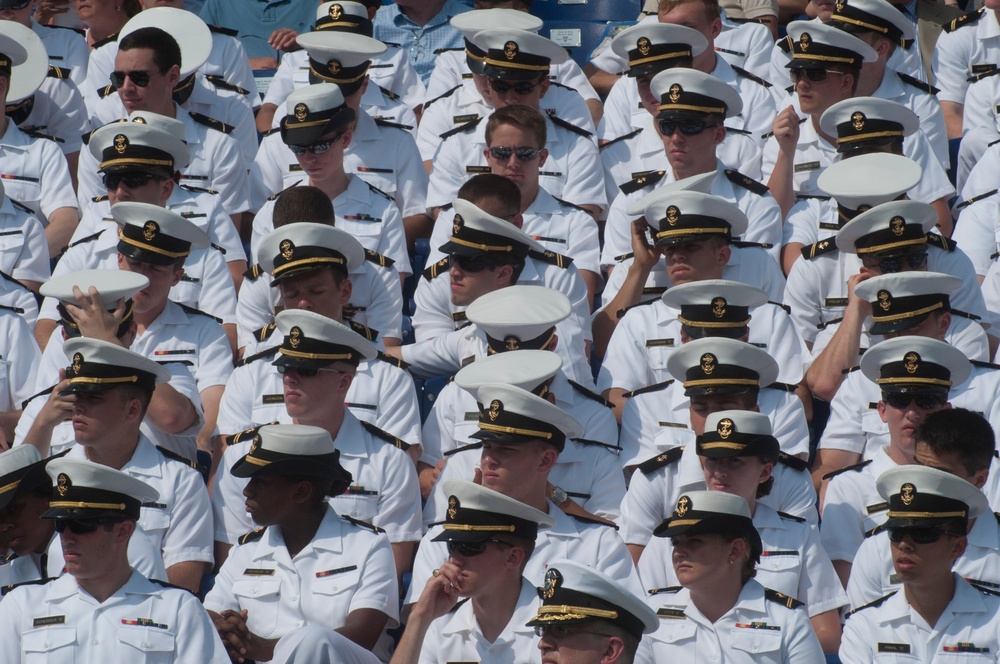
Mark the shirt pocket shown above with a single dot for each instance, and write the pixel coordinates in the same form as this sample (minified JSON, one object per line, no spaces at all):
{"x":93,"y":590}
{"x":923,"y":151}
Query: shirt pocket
{"x":155,"y":521}
{"x":147,"y":645}
{"x":358,"y":503}
{"x":49,"y":645}
{"x":260,"y":597}
{"x":763,"y":645}
{"x":11,"y":243}
{"x":367,"y":228}
{"x":337,"y":584}
{"x":25,"y":189}
{"x":781,"y":569}
{"x":675,"y":631}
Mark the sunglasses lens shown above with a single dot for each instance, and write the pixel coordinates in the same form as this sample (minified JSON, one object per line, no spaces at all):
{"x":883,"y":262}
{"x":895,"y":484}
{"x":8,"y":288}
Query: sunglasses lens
{"x":471,"y":264}
{"x":890,"y":265}
{"x":467,"y":549}
{"x":917,"y":535}
{"x":526,"y":154}
{"x":917,"y":261}
{"x":503,"y":154}
{"x":77,"y":527}
{"x":302,"y":372}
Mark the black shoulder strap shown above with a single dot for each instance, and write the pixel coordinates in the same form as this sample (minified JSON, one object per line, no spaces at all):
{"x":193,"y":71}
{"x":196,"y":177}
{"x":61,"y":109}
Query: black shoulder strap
{"x":671,"y":456}
{"x":857,"y":467}
{"x":559,"y":122}
{"x":468,"y":126}
{"x":781,"y":598}
{"x":753,"y":77}
{"x":623,"y":137}
{"x":252,"y":536}
{"x":792,"y":462}
{"x":978,"y":197}
{"x":941,"y":242}
{"x":590,"y":394}
{"x":746,"y":182}
{"x":223,"y":84}
{"x":270,"y":352}
{"x":362,"y":524}
{"x":649,"y":388}
{"x":441,"y":267}
{"x":385,"y":435}
{"x":378,"y":259}
{"x":642,"y":180}
{"x":551,"y":258}
{"x":198,"y":312}
{"x":170,"y":454}
{"x":368,"y":333}
{"x":442,"y":96}
{"x":212,"y":122}
{"x":917,"y":83}
{"x":819,"y":248}
{"x":219,"y":30}
{"x":955,"y":24}
{"x":877,"y":602}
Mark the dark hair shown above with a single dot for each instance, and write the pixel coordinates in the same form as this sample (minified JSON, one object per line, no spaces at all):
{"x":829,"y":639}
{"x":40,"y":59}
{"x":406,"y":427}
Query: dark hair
{"x":959,"y":432}
{"x":303,"y":203}
{"x":321,"y":487}
{"x":486,"y":188}
{"x":764,"y":488}
{"x":748,"y":568}
{"x":712,"y":9}
{"x":525,"y":118}
{"x":166,"y":52}
{"x":129,"y":391}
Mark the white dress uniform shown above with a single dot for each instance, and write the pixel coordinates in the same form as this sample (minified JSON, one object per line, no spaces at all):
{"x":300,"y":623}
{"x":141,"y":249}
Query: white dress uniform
{"x":24,"y":252}
{"x":67,"y":50}
{"x":347,"y":567}
{"x":793,"y":562}
{"x":580,"y":540}
{"x":18,"y":299}
{"x":750,"y":196}
{"x":56,"y":109}
{"x":853,"y":506}
{"x":34,"y":173}
{"x":216,"y":163}
{"x":760,"y":628}
{"x":368,"y":214}
{"x":100,"y":64}
{"x":891,"y":631}
{"x":456,"y":636}
{"x":978,"y":232}
{"x":19,"y":357}
{"x":141,"y":621}
{"x":383,"y":155}
{"x":969,"y":45}
{"x":384,"y":490}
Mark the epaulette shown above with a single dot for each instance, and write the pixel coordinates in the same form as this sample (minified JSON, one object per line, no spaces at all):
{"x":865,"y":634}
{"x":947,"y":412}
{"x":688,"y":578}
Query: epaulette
{"x":983,"y":74}
{"x":792,"y":462}
{"x":855,"y":467}
{"x":941,"y":242}
{"x":806,"y":197}
{"x":856,"y":367}
{"x":649,"y":388}
{"x":955,"y":24}
{"x":984,"y":365}
{"x":38,"y":134}
{"x":788,"y":309}
{"x":587,"y":441}
{"x":21,"y":206}
{"x":170,"y":454}
{"x":218,"y":125}
{"x":105,"y":91}
{"x":738,"y":131}
{"x":257,"y":356}
{"x":394,"y":361}
{"x":441,"y":96}
{"x":917,"y":83}
{"x":978,"y":197}
{"x":562,"y":85}
{"x":590,"y":394}
{"x":782,"y":387}
{"x":59,"y":72}
{"x":746,"y":182}
{"x":785,"y":44}
{"x":641,"y":180}
{"x":248,"y":435}
{"x":7,"y":307}
{"x":47,"y":391}
{"x":440,"y":267}
{"x":223,"y":84}
{"x":368,"y":333}
{"x":966,"y":314}
{"x":743,"y":244}
{"x":167,"y":584}
{"x":378,"y":191}
{"x":559,"y":122}
{"x":791,"y":517}
{"x":753,"y":77}
{"x":781,"y":598}
{"x":468,"y":126}
{"x":669,"y":457}
{"x":79,"y":31}
{"x":272,"y":130}
{"x":571,"y":205}
{"x":621,"y":312}
{"x":253,"y":272}
{"x":378,"y":259}
{"x":820,"y":248}
{"x":874,"y":531}
{"x":252,"y":536}
{"x":398,"y":443}
{"x":104,"y":42}
{"x":363,"y":524}
{"x":623,"y":137}
{"x":463,"y":448}
{"x":769,"y":134}
{"x":551,"y":258}
{"x":35,"y":582}
{"x":877,"y":602}
{"x":667,"y":589}
{"x":198,"y":312}
{"x":984,"y":589}
{"x":263,"y":334}
{"x":439,"y":51}
{"x":99,"y":199}
{"x":396,"y":125}
{"x":388,"y":93}
{"x":85,"y":240}
{"x":587,"y":519}
{"x":274,"y":197}
{"x":219,"y":30}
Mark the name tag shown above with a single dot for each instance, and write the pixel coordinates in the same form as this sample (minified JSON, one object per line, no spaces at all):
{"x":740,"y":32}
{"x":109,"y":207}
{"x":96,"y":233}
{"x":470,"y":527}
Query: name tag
{"x":550,"y":174}
{"x":835,"y":302}
{"x":671,"y":614}
{"x":462,"y":119}
{"x":272,"y":398}
{"x":472,"y":416}
{"x":894,"y":647}
{"x":807,"y":166}
{"x":256,"y":571}
{"x":982,"y":69}
{"x":660,"y":343}
{"x":877,"y":507}
{"x":829,"y":227}
{"x":477,"y":169}
{"x":49,"y":620}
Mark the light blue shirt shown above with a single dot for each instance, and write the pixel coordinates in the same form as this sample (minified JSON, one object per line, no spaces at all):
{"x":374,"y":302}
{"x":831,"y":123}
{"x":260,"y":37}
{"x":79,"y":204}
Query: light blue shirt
{"x":256,"y":20}
{"x":420,"y":42}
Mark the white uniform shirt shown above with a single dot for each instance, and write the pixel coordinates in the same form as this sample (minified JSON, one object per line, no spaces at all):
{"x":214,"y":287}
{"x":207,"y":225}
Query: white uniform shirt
{"x":34,"y":173}
{"x":964,"y":334}
{"x":24,"y":252}
{"x":228,"y":59}
{"x":67,"y":49}
{"x":971,"y":49}
{"x":57,"y":109}
{"x":19,"y":356}
{"x":853,"y":506}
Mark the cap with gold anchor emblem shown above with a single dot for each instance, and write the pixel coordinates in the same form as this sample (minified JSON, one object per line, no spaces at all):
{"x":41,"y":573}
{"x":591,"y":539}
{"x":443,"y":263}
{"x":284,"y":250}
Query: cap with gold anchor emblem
{"x":154,"y":234}
{"x":866,"y":122}
{"x":340,"y":57}
{"x":652,"y":47}
{"x":477,"y":514}
{"x":896,"y":228}
{"x":519,"y":317}
{"x":312,"y":341}
{"x":83,"y":489}
{"x":712,"y":512}
{"x":510,"y":415}
{"x":99,"y":366}
{"x":818,"y":46}
{"x":903,"y":300}
{"x":921,"y":496}
{"x":716,"y":365}
{"x":518,"y":55}
{"x":915,"y":365}
{"x":737,"y":433}
{"x":294,"y":449}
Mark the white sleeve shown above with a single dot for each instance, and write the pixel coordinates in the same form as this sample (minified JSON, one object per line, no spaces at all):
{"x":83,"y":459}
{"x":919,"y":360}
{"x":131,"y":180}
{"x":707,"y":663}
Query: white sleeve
{"x":865,"y":584}
{"x":976,"y":233}
{"x":189,"y":536}
{"x":57,"y":188}
{"x":433,"y":316}
{"x":843,"y":527}
{"x":33,"y":258}
{"x":953,"y":60}
{"x":448,"y":174}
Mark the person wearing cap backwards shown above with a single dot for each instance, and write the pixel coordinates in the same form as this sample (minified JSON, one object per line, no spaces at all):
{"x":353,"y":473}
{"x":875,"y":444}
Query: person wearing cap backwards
{"x":937,"y":616}
{"x":340,"y":567}
{"x":517,"y":64}
{"x":308,"y":382}
{"x":522,"y":436}
{"x":490,"y":538}
{"x":915,"y":375}
{"x":102,"y":609}
{"x":381,"y":152}
{"x":720,"y":611}
{"x":738,"y":454}
{"x":318,"y":129}
{"x":960,"y":442}
{"x":586,"y":617}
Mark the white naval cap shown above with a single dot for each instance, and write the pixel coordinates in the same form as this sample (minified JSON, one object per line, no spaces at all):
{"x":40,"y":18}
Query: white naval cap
{"x":817,"y":46}
{"x":303,"y":247}
{"x":476,"y":514}
{"x":527,"y":369}
{"x":653,"y":47}
{"x":862,"y":182}
{"x":716,"y":365}
{"x":293,"y":449}
{"x":517,"y":54}
{"x":21,"y":469}
{"x":83,"y":489}
{"x":312,"y":340}
{"x":864,"y":122}
{"x":714,"y":306}
{"x":737,"y":433}
{"x":574,"y":594}
{"x":146,"y":140}
{"x":920,"y":496}
{"x":340,"y":57}
{"x":314,"y":111}
{"x":712,"y":512}
{"x":896,"y":227}
{"x":113,"y":285}
{"x":12,"y":53}
{"x":98,"y":366}
{"x":188,"y":30}
{"x":344,"y":16}
{"x":27,"y":77}
{"x":508,"y":414}
{"x":913,"y":364}
{"x":878,"y":16}
{"x":903,"y":300}
{"x":689,"y":92}
{"x":472,"y":23}
{"x":678,"y":215}
{"x":519,"y":317}
{"x":154,"y":234}
{"x":475,"y":232}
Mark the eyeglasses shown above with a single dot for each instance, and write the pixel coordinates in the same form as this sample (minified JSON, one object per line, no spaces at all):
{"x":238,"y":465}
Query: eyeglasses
{"x":559,"y":632}
{"x":923,"y":401}
{"x":895,"y":264}
{"x":316,"y":148}
{"x":520,"y":88}
{"x":139,"y":78}
{"x":924,"y":535}
{"x":471,"y":549}
{"x":306,"y":372}
{"x":523,"y":154}
{"x":814,"y":75}
{"x":473,"y":264}
{"x":131,"y":180}
{"x":82,"y":526}
{"x":687,"y":127}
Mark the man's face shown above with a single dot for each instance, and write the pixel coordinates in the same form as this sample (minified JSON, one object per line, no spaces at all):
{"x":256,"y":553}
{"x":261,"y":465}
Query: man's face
{"x":476,"y":571}
{"x":903,"y":420}
{"x":161,"y":279}
{"x":308,"y":398}
{"x":692,"y":154}
{"x":94,"y":413}
{"x":316,"y":291}
{"x":156,"y":96}
{"x":705,"y":405}
{"x":22,"y":15}
{"x":934,"y":327}
{"x":695,"y":261}
{"x":817,"y":96}
{"x":504,"y":93}
{"x":949,"y":463}
{"x":153,"y":191}
{"x":914,"y":561}
{"x":470,"y":282}
{"x":523,"y":173}
{"x":22,"y":528}
{"x":90,"y":555}
{"x":692,"y":15}
{"x":574,"y":644}
{"x":329,"y":163}
{"x":506,"y":466}
{"x":824,"y":9}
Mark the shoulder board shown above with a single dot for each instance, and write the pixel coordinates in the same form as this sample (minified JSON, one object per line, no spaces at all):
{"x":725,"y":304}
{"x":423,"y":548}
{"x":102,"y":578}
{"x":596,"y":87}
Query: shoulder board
{"x":385,"y":435}
{"x":219,"y":30}
{"x":104,"y":42}
{"x":791,"y":517}
{"x":562,"y":85}
{"x":378,"y":259}
{"x":16,"y":310}
{"x":463,"y":448}
{"x":85,"y":240}
{"x":591,"y":394}
{"x":586,"y":441}
{"x":264,"y":333}
{"x":559,"y":122}
{"x":38,"y":134}
{"x":746,"y":182}
{"x":623,"y":137}
{"x":781,"y":598}
{"x":273,"y":130}
{"x":468,"y":126}
{"x":257,"y":356}
{"x":35,"y":582}
{"x":253,"y":272}
{"x":367,"y":332}
{"x":982,"y":587}
{"x":551,"y":258}
{"x":621,"y":312}
{"x":389,"y":94}
{"x":198,"y":312}
{"x":750,"y":245}
{"x":79,"y":31}
{"x":642,"y":180}
{"x":877,"y":602}
{"x":978,"y":197}
{"x":439,"y":51}
{"x":363,"y":524}
{"x":252,"y":536}
{"x":247,"y":434}
{"x":815,"y":249}
{"x":571,"y":205}
{"x":105,"y":91}
{"x":199,"y":190}
{"x":874,"y":531}
{"x":58,"y":72}
{"x":649,"y":388}
{"x":212,"y":122}
{"x":787,"y":309}
{"x":47,"y":391}
{"x":792,"y":462}
{"x":441,"y":96}
{"x":941,"y":242}
{"x":739,"y":131}
{"x":669,"y":457}
{"x":167,"y":584}
{"x":170,"y":454}
{"x":785,"y":44}
{"x":587,"y":519}
{"x":21,"y":206}
{"x":783,"y":387}
{"x":223,"y":84}
{"x":274,"y":197}
{"x":965,"y":314}
{"x":99,"y":199}
{"x":668,"y":589}
{"x":441,"y":267}
{"x":984,"y":365}
{"x":917,"y":83}
{"x":394,"y":361}
{"x":378,"y":191}
{"x":978,"y":76}
{"x":753,"y":77}
{"x":955,"y":24}
{"x":385,"y":123}
{"x":855,"y":467}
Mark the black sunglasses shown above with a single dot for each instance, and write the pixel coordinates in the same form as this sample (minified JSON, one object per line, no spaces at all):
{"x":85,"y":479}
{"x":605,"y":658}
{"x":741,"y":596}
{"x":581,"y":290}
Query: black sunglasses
{"x":83,"y":526}
{"x":814,"y":75}
{"x":316,"y":148}
{"x":895,"y":264}
{"x":470,"y":549}
{"x":473,"y":264}
{"x":923,"y":401}
{"x":520,"y":88}
{"x":131,"y":180}
{"x":523,"y":154}
{"x":306,"y":372}
{"x":139,"y":78}
{"x":920,"y":535}
{"x":687,"y":127}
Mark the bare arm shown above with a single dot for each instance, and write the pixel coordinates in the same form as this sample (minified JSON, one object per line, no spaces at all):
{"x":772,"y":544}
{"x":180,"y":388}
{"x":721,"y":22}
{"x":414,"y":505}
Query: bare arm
{"x":781,"y":184}
{"x":828,"y":630}
{"x":952,"y":112}
{"x":265,"y":116}
{"x":843,"y":569}
{"x":600,"y":79}
{"x":363,"y":626}
{"x":43,"y":331}
{"x":439,"y":596}
{"x":62,"y":224}
{"x":827,"y":461}
{"x":826,"y":374}
{"x":402,"y":555}
{"x":188,"y":574}
{"x":170,"y":411}
{"x":210,"y":398}
{"x":57,"y":409}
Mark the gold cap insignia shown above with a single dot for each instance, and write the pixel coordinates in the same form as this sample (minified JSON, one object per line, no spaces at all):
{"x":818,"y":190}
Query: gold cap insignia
{"x":510,"y":50}
{"x":456,"y":226}
{"x":804,"y":41}
{"x":911,"y":362}
{"x":897,"y":225}
{"x":149,"y":230}
{"x":858,"y":120}
{"x":334,"y":67}
{"x":725,"y":428}
{"x":121,"y":143}
{"x":840,"y":5}
{"x":77,"y":363}
{"x":885,"y":300}
{"x":336,"y":11}
{"x":301,"y":111}
{"x":708,"y":362}
{"x":453,"y":506}
{"x":719,"y":307}
{"x":643,"y":45}
{"x":673,"y":215}
{"x":496,"y":407}
{"x":674,"y":94}
{"x":907,"y":493}
{"x":287,"y":249}
{"x":139,"y":120}
{"x":295,"y":337}
{"x":511,"y":342}
{"x":864,"y":207}
{"x":683,"y":505}
{"x":255,"y":443}
{"x":552,"y":580}
{"x":63,"y":483}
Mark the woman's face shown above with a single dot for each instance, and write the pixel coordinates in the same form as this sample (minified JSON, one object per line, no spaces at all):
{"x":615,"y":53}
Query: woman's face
{"x":737,"y":475}
{"x":90,"y":9}
{"x":699,"y":560}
